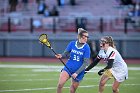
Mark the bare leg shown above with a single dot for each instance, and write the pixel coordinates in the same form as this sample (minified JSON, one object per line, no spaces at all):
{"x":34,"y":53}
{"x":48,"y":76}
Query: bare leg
{"x":115,"y":87}
{"x":74,"y":86}
{"x":102,"y":83}
{"x":62,"y":79}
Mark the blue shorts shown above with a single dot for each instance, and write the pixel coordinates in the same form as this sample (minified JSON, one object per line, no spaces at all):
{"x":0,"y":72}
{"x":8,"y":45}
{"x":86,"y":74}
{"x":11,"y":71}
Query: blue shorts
{"x":78,"y":78}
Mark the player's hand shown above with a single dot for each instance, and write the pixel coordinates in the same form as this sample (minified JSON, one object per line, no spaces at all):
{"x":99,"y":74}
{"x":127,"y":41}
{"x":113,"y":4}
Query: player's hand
{"x":85,"y":72}
{"x":58,"y":56}
{"x":74,"y":75}
{"x":101,"y":72}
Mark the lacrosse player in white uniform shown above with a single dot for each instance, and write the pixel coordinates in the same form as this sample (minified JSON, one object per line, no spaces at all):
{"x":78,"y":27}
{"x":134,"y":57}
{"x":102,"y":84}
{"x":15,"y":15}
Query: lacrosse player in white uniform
{"x":116,"y":67}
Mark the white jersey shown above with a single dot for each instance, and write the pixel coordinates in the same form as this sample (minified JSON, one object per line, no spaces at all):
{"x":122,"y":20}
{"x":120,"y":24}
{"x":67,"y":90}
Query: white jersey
{"x":119,"y":69}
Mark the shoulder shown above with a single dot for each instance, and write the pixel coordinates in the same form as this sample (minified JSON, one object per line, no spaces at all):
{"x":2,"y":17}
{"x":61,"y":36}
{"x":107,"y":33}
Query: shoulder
{"x":86,"y":46}
{"x":110,"y":49}
{"x":72,"y":42}
{"x":111,"y":52}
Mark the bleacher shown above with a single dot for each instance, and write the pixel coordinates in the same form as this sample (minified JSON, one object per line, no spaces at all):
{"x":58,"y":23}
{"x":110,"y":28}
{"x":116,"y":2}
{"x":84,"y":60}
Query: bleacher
{"x":92,"y":10}
{"x":100,"y":17}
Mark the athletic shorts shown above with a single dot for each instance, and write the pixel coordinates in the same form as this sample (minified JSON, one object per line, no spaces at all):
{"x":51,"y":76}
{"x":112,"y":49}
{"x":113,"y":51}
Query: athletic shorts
{"x":108,"y":74}
{"x":120,"y":76}
{"x":78,"y":78}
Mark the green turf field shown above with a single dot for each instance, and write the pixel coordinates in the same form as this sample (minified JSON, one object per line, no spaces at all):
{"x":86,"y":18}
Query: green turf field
{"x":43,"y":78}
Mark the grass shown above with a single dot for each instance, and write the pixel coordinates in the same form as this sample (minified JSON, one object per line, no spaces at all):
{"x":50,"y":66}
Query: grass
{"x":29,"y":77}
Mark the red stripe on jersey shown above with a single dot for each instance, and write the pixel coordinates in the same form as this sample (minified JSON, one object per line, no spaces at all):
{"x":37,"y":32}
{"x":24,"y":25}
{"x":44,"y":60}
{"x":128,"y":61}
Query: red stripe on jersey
{"x":98,"y":57}
{"x":112,"y":54}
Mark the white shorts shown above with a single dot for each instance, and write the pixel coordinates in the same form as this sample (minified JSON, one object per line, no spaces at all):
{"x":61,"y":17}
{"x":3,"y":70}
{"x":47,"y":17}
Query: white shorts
{"x":120,"y":74}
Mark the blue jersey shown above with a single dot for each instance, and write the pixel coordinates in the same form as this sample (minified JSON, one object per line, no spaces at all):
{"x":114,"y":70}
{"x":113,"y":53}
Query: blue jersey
{"x":77,"y":56}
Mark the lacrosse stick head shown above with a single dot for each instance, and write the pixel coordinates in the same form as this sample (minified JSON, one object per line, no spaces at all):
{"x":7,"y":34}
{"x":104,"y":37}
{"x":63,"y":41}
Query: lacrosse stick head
{"x":43,"y":38}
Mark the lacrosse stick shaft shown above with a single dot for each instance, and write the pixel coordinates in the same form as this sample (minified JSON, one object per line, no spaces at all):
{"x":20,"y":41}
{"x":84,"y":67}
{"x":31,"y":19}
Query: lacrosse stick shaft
{"x":63,"y":63}
{"x":61,"y":60}
{"x":44,"y":40}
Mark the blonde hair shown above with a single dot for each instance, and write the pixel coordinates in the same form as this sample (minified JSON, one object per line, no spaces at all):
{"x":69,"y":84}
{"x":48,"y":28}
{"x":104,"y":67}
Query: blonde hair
{"x":81,"y":31}
{"x":109,"y":40}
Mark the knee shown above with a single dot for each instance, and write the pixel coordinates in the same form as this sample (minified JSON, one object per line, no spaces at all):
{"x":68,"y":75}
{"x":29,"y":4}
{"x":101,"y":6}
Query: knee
{"x":59,"y":85}
{"x":102,"y":83}
{"x":72,"y":89}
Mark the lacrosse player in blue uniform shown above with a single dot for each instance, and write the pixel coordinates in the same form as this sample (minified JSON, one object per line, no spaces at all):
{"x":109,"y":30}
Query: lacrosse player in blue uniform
{"x":78,"y":52}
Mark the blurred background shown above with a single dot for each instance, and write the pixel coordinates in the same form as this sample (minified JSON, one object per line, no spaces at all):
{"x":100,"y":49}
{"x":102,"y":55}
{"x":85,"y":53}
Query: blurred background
{"x":22,"y":21}
{"x":29,"y":67}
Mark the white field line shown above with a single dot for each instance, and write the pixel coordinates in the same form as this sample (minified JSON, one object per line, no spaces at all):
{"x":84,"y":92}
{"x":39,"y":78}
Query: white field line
{"x":52,"y":88}
{"x":28,"y":80}
{"x":21,"y":80}
{"x":29,"y":66}
{"x":52,"y":68}
{"x":14,"y":75}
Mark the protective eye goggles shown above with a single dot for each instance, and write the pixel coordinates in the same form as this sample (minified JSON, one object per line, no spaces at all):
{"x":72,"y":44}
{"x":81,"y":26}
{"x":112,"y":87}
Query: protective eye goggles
{"x":103,"y":41}
{"x":85,"y":36}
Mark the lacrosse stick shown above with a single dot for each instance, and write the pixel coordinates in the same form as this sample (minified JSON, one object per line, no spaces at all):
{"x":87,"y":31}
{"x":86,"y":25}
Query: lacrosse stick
{"x":43,"y":38}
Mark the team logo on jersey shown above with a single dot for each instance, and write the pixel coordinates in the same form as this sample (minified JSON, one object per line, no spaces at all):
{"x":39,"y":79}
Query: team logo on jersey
{"x":77,"y":52}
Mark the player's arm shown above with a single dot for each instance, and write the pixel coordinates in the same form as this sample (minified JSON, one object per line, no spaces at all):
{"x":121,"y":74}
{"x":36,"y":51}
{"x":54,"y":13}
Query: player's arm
{"x":65,"y":53}
{"x":94,"y":63}
{"x":86,"y":58}
{"x":110,"y":60}
{"x":85,"y":63}
{"x":109,"y":64}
